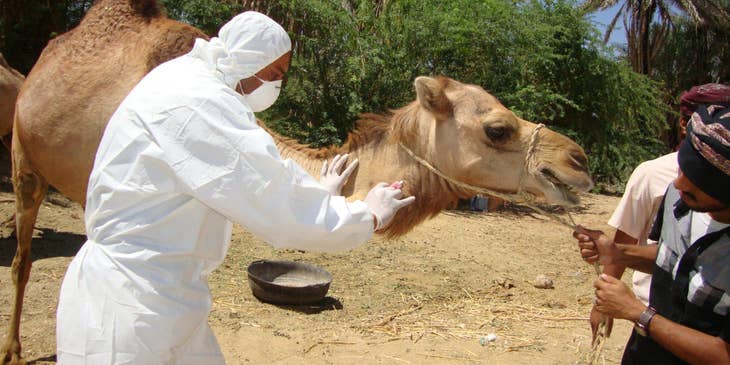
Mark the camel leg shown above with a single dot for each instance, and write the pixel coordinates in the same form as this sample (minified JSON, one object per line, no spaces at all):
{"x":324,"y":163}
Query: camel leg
{"x":10,"y":222}
{"x":29,"y":188}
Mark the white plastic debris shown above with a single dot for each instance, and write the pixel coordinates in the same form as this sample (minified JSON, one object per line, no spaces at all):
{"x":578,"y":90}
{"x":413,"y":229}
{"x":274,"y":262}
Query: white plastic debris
{"x":483,"y":340}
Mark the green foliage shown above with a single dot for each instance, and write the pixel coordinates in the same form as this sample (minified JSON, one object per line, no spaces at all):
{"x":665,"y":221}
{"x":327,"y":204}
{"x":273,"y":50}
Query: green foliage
{"x":321,"y":98}
{"x":540,"y":57}
{"x":27,"y":26}
{"x":208,"y":15}
{"x":692,"y":55}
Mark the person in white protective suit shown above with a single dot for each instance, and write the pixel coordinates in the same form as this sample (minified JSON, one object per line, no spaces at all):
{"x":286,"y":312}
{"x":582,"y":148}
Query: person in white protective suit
{"x":181,"y":160}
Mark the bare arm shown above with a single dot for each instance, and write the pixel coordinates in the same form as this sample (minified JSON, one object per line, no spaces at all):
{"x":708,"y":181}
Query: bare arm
{"x":617,"y":270}
{"x":596,"y":246}
{"x":640,"y":258}
{"x":690,"y":345}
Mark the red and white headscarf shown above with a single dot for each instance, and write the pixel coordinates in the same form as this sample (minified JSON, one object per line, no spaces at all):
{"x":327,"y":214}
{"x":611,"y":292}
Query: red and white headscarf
{"x":704,"y":155}
{"x":703,"y":94}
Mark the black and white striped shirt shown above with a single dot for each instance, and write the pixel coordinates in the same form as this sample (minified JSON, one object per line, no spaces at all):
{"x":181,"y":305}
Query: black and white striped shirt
{"x":691,"y":281}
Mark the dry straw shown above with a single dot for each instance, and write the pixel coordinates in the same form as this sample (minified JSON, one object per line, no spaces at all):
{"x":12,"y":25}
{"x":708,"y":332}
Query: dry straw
{"x":477,"y":313}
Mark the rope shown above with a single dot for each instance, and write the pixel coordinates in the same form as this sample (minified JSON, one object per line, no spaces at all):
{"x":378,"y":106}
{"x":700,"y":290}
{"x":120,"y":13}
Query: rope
{"x":530,"y":162}
{"x":527,"y":199}
{"x":519,"y":197}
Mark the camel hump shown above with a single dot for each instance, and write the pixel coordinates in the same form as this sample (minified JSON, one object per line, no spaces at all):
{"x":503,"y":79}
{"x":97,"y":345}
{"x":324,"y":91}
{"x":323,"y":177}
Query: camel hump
{"x":173,"y":40}
{"x":146,"y":8}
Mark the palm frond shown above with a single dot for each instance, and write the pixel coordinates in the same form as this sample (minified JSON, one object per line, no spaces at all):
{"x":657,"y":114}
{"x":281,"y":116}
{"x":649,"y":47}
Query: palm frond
{"x":593,"y":5}
{"x":612,"y":25}
{"x":688,"y":6}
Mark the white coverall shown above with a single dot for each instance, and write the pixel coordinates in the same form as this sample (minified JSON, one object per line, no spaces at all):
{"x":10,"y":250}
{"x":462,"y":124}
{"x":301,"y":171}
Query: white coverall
{"x":180,"y":160}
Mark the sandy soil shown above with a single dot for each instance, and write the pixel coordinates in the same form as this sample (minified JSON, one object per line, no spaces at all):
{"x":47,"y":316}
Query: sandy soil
{"x":425,"y":298}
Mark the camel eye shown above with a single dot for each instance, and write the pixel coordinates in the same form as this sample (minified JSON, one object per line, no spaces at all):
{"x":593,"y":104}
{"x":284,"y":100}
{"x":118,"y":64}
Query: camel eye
{"x":496,"y":133}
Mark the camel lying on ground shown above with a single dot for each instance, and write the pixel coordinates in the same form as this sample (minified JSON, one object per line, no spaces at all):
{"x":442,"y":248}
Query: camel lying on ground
{"x":84,"y":74}
{"x":10,"y":82}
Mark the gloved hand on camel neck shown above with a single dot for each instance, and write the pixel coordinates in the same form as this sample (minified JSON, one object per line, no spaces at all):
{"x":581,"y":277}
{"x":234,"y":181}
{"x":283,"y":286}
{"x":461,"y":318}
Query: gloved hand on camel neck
{"x":330,"y":176}
{"x":384,"y":201}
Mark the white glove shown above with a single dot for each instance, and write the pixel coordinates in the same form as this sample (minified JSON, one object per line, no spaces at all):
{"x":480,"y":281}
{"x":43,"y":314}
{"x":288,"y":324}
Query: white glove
{"x":330,"y":176}
{"x":383,"y":202}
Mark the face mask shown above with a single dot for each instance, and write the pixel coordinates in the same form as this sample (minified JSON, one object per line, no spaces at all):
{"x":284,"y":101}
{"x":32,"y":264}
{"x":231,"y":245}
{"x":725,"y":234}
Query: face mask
{"x":264,"y":96}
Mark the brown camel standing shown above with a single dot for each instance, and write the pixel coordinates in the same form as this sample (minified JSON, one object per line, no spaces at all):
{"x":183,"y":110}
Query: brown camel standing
{"x":10,"y":82}
{"x":84,"y":74}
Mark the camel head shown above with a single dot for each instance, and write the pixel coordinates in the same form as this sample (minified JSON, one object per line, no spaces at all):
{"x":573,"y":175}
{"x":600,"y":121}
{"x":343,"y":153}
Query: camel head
{"x":468,"y":135}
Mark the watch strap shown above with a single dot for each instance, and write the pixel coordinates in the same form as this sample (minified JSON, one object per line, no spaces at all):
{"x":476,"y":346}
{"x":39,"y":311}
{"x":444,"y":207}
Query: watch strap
{"x":642,"y":325}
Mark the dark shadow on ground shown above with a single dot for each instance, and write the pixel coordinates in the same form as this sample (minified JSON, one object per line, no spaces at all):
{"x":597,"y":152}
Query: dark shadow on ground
{"x":513,"y":209}
{"x":50,"y":244}
{"x":40,"y":360}
{"x":326,"y":304}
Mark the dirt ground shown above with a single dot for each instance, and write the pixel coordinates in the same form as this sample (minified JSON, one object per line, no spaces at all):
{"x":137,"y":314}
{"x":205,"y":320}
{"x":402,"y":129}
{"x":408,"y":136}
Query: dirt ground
{"x":429,"y":297}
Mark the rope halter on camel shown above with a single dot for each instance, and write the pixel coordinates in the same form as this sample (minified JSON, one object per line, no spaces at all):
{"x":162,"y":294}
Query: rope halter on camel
{"x":520,"y":196}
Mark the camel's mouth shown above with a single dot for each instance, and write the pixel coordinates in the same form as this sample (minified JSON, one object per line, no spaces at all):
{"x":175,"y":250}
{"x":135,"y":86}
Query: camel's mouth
{"x":558,"y":191}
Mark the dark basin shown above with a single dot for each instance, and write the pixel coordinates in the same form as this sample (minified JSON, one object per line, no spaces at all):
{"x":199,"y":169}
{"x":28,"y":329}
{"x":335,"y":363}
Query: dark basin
{"x":288,"y":282}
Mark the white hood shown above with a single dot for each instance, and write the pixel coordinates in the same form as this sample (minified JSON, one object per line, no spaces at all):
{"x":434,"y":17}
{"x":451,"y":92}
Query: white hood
{"x":246,"y":44}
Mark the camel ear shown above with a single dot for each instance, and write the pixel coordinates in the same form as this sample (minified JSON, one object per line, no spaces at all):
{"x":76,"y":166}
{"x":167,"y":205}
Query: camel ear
{"x":431,"y":95}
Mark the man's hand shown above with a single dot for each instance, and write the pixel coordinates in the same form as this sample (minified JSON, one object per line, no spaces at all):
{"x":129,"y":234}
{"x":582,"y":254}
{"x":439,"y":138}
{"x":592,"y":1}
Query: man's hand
{"x":595,"y":320}
{"x":330,"y":176}
{"x":595,"y":246}
{"x":615,"y":299}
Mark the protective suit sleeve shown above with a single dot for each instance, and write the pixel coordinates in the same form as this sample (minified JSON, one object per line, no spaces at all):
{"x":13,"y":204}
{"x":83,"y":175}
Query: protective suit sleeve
{"x":222,"y":158}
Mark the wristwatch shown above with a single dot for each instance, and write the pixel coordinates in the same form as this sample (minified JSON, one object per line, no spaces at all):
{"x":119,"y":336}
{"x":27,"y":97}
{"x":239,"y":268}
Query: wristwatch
{"x":642,"y":325}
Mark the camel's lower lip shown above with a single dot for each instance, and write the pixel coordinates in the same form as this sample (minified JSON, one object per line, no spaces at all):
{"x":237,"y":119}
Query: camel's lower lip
{"x":570,"y":196}
{"x":568,"y":193}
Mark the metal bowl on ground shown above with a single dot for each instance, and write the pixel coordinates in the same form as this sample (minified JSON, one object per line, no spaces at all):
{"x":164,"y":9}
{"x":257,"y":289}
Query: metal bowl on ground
{"x":288,"y":282}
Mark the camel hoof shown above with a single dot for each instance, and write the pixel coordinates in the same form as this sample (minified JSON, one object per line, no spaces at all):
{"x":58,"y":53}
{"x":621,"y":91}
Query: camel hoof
{"x":11,"y":357}
{"x":15,"y":359}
